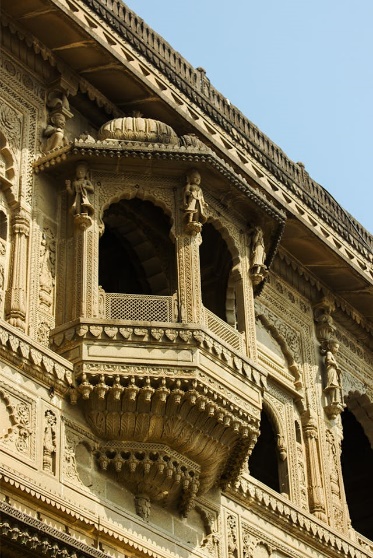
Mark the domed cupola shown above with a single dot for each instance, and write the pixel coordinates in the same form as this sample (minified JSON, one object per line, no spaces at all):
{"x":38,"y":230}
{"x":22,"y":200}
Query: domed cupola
{"x":138,"y":128}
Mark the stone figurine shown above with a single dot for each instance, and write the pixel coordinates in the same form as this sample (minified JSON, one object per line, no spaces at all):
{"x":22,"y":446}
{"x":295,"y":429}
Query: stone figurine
{"x":49,"y":443}
{"x":142,"y":505}
{"x":258,"y":269}
{"x":194,"y":202}
{"x":55,"y":132}
{"x":80,"y":188}
{"x":59,"y":112}
{"x":333,"y":373}
{"x":333,"y":387}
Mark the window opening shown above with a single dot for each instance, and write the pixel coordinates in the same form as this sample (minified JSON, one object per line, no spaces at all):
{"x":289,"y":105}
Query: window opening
{"x":216,"y":265}
{"x":3,"y":225}
{"x":136,"y":253}
{"x":263,"y":462}
{"x":357,"y":467}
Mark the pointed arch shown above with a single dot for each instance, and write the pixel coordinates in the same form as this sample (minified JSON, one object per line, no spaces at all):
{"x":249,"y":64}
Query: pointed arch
{"x":289,"y":358}
{"x":268,"y":462}
{"x":7,"y":170}
{"x":220,"y":271}
{"x":357,"y":461}
{"x":136,"y":253}
{"x":137,"y":191}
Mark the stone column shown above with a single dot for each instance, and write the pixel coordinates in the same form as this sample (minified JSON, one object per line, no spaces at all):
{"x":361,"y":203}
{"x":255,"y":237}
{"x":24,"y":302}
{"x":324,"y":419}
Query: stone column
{"x":17,"y":292}
{"x":86,"y":236}
{"x":248,"y":302}
{"x":85,"y":278}
{"x":315,"y":488}
{"x":189,"y":278}
{"x":189,"y":222}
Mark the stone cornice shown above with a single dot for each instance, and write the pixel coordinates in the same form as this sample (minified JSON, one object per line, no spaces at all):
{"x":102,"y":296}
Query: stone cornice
{"x":114,"y":149}
{"x":285,"y":266}
{"x":91,"y":330}
{"x":73,"y":81}
{"x":280,"y":511}
{"x":36,"y":361}
{"x":194,"y":85}
{"x":101,"y":529}
{"x":33,"y":534}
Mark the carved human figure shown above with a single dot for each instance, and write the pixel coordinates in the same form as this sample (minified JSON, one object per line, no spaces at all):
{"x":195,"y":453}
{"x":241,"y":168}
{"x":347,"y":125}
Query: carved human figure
{"x":49,"y":443}
{"x":55,"y":132}
{"x":80,"y":187}
{"x":333,"y":373}
{"x":257,"y":249}
{"x":46,"y":273}
{"x":194,"y":203}
{"x":142,"y":505}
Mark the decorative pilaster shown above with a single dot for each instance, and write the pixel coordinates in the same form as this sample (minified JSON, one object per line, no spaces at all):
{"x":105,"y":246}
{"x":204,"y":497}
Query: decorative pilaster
{"x":188,"y":240}
{"x":246,"y":305}
{"x":17,"y":294}
{"x":258,"y":270}
{"x":325,"y":333}
{"x":315,"y":488}
{"x":86,"y":235}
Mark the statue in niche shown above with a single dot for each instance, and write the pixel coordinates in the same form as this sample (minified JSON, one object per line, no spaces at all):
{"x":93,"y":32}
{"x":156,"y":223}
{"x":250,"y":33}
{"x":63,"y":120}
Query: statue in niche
{"x":325,"y":333}
{"x":49,"y":443}
{"x":59,"y":111}
{"x":258,"y":270}
{"x":47,"y":271}
{"x":332,"y":378}
{"x":142,"y":505}
{"x":80,"y":187}
{"x":55,"y":132}
{"x":194,"y":203}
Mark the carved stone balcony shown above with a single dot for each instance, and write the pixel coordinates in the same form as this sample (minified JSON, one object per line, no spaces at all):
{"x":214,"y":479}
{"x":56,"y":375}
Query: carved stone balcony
{"x":174,"y":408}
{"x":168,"y":438}
{"x":118,"y":306}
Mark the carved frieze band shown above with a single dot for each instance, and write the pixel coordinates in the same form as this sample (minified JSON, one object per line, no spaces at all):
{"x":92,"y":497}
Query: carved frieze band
{"x":64,"y":339}
{"x":45,"y":366}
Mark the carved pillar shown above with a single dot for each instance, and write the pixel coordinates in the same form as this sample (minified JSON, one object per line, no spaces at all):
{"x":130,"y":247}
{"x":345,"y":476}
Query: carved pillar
{"x":188,"y":239}
{"x":17,"y":293}
{"x":315,"y":487}
{"x":86,"y":236}
{"x":189,"y":278}
{"x":248,"y":302}
{"x":325,"y":333}
{"x":85,"y":278}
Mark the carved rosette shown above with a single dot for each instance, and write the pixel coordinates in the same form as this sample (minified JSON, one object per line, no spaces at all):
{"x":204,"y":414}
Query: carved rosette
{"x":166,"y":438}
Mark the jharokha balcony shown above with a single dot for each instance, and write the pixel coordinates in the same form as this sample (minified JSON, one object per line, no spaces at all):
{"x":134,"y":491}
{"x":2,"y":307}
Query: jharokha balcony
{"x":163,"y":399}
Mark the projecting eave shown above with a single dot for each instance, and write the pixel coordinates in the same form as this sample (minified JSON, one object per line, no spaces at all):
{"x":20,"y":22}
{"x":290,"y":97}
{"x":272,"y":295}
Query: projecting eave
{"x":332,"y":267}
{"x":113,"y":63}
{"x":219,"y":179}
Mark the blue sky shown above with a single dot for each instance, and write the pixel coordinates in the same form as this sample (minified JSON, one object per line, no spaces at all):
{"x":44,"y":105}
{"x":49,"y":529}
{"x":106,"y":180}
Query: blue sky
{"x":301,"y":70}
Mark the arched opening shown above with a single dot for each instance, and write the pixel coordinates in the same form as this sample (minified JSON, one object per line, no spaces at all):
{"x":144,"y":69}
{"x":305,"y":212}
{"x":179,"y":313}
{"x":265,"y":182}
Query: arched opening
{"x":136,"y":253}
{"x":3,"y":226}
{"x":357,"y":467}
{"x":263,"y":462}
{"x":137,"y":264}
{"x":216,"y":266}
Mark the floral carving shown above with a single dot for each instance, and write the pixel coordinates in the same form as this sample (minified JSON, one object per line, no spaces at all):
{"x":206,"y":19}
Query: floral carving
{"x":11,"y":125}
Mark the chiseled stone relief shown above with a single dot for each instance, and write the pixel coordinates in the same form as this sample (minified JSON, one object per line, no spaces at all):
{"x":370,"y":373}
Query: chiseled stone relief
{"x":49,"y":442}
{"x":22,"y":103}
{"x":18,"y":422}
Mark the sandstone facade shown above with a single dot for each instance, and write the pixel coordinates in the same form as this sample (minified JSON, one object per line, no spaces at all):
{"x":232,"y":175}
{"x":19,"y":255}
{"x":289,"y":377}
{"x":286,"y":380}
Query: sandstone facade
{"x":186,"y":316}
